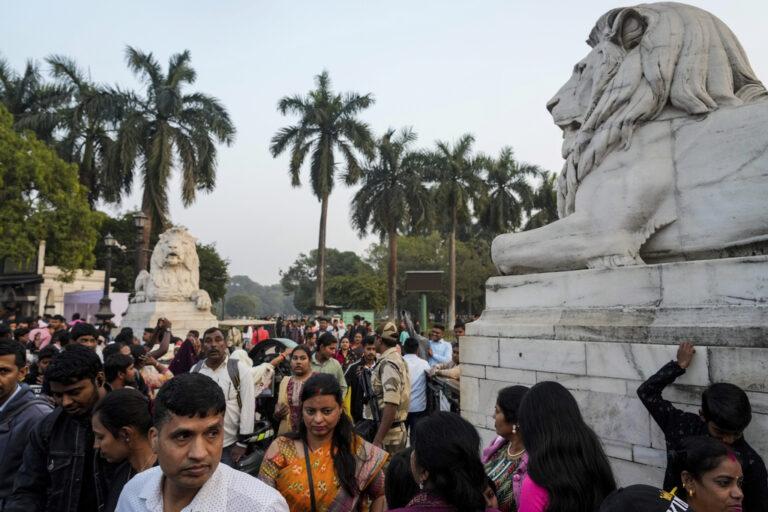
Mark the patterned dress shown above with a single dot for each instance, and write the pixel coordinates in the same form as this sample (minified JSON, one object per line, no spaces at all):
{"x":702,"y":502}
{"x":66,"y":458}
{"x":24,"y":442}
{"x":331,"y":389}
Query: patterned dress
{"x":286,"y":471}
{"x":500,"y":468}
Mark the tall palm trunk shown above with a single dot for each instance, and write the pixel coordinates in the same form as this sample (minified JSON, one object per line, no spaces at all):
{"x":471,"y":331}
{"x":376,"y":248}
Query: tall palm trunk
{"x":452,"y":272}
{"x":145,"y":235}
{"x":392,"y":273}
{"x":320,"y":273}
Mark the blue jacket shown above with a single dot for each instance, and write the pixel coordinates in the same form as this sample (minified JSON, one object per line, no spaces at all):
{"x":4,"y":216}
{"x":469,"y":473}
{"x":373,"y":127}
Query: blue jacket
{"x":21,"y":414}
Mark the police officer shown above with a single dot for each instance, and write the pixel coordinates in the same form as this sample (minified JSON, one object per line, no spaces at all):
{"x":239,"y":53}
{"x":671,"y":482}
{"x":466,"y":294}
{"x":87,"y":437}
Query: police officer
{"x":391,"y":384}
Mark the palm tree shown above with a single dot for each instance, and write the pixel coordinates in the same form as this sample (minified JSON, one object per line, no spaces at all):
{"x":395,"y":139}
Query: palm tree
{"x":327,"y":123}
{"x":456,"y":174}
{"x":394,"y":181}
{"x":32,"y":102}
{"x":166,"y":126}
{"x":87,"y":124}
{"x":509,"y":194}
{"x":545,"y":201}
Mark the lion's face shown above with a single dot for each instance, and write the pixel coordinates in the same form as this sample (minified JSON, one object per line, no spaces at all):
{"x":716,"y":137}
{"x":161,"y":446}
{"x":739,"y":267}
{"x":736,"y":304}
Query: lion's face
{"x":175,"y":248}
{"x":571,"y":105}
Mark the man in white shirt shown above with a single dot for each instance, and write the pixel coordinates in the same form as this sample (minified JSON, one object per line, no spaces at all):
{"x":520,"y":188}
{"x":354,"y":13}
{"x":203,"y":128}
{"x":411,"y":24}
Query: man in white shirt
{"x":240,"y":396}
{"x":418,"y":368}
{"x":187,"y":437}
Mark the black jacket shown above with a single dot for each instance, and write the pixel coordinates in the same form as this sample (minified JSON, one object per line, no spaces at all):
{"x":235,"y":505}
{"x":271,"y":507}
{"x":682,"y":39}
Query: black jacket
{"x":19,"y":417}
{"x":352,"y":376}
{"x":52,"y":474}
{"x":678,"y":425}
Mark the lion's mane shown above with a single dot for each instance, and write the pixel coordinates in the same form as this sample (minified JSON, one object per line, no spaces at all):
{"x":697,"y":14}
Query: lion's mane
{"x":686,"y":58}
{"x":174,"y":282}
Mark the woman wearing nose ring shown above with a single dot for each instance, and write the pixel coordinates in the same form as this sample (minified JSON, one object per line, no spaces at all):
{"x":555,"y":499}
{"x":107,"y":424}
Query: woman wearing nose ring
{"x":325,"y":466}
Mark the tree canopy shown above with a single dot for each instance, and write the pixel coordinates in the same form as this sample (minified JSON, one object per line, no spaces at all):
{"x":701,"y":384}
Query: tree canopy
{"x":241,"y":305}
{"x":41,"y":199}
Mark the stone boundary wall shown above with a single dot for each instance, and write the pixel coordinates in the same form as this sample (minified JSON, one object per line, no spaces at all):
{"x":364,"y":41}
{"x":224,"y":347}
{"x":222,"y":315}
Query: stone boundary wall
{"x":601,"y":333}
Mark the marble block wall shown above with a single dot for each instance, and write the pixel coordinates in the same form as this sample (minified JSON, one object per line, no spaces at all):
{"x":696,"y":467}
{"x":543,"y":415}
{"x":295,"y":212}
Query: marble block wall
{"x":602,"y":332}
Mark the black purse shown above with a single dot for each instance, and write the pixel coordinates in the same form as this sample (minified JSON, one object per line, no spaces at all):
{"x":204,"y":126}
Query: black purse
{"x":366,"y":429}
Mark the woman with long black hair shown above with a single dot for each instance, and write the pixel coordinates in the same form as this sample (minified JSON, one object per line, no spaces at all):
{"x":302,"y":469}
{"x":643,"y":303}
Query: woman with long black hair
{"x":121,"y":422}
{"x":568,"y":470}
{"x":325,"y":466}
{"x":446,"y":466}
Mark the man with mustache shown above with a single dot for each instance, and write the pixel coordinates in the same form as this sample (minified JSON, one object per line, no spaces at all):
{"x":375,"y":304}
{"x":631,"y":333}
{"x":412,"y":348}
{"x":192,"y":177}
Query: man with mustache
{"x":58,"y":472}
{"x":187,"y":435}
{"x":234,"y":379}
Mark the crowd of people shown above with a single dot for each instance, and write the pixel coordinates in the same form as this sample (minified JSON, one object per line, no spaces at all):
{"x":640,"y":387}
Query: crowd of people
{"x":155,"y":423}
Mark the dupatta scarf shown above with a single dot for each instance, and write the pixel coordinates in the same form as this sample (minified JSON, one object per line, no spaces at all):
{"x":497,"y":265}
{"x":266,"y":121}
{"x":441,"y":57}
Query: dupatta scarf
{"x":286,"y":471}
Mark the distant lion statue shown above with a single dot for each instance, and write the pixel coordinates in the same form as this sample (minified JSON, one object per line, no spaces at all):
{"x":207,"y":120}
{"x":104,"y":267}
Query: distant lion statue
{"x":666,"y":147}
{"x":174,"y":272}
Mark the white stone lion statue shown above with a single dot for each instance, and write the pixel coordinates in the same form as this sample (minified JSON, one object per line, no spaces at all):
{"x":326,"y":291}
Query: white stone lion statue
{"x":174,"y":274}
{"x":666,"y":148}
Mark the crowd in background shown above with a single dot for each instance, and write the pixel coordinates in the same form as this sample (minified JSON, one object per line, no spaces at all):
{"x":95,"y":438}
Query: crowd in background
{"x":148,"y":421}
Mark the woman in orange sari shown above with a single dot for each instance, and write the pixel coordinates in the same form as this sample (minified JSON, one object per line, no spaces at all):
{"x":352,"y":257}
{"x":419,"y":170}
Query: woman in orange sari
{"x":345,"y":472}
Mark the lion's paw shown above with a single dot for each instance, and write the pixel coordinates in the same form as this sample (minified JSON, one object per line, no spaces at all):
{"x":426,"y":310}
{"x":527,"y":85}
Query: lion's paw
{"x":202,"y":300}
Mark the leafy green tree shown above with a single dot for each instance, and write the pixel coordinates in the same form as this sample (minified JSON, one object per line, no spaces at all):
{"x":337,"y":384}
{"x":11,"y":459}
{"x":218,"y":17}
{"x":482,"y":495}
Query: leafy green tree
{"x":214,"y":271}
{"x":123,"y":261}
{"x":328,"y":124}
{"x":545,"y":201}
{"x":41,"y":199}
{"x":360,"y":291}
{"x":457,"y":177}
{"x":300,"y":278}
{"x":395,"y":182}
{"x":87,"y":123}
{"x":271,"y":298}
{"x":241,"y":305}
{"x":473,"y":257}
{"x":510,"y":194}
{"x":416,"y":252}
{"x":166,"y":127}
{"x":31,"y":101}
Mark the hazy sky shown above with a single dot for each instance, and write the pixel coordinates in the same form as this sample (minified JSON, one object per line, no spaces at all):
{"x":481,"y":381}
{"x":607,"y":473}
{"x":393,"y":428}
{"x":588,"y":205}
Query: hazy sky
{"x":443,"y":67}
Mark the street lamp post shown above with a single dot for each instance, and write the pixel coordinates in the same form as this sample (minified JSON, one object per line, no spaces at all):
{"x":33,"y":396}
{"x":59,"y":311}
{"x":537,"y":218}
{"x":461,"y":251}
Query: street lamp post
{"x":140,"y":221}
{"x":105,"y":314}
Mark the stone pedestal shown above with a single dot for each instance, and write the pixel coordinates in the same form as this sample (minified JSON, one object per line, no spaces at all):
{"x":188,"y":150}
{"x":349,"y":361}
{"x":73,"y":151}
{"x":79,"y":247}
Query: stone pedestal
{"x":183,"y":315}
{"x":602,"y":332}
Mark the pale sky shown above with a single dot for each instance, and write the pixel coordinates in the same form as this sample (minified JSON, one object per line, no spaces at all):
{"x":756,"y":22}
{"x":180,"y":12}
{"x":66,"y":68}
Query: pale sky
{"x":443,"y":67}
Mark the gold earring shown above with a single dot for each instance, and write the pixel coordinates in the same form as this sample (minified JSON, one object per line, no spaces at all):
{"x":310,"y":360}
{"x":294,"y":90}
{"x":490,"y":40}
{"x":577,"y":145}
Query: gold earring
{"x":690,"y":492}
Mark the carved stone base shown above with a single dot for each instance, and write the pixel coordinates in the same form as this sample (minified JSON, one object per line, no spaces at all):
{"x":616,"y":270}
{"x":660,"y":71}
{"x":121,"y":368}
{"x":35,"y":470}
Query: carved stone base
{"x":602,"y":332}
{"x":183,"y":315}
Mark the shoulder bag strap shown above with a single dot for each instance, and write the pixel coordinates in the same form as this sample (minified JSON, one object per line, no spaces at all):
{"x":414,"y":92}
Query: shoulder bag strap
{"x":196,"y":367}
{"x":309,"y":477}
{"x":234,"y":376}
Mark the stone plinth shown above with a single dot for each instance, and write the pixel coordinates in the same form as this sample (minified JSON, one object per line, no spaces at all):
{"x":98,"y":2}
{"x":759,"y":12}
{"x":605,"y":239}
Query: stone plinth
{"x":602,"y":332}
{"x":183,"y":315}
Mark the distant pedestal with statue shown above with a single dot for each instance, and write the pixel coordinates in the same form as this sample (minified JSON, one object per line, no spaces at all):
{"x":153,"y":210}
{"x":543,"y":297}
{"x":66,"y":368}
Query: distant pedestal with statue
{"x":171,"y":289}
{"x":662,"y":238}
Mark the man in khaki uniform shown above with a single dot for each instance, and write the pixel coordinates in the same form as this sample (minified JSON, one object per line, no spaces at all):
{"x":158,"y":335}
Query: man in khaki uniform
{"x":391,"y":384}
